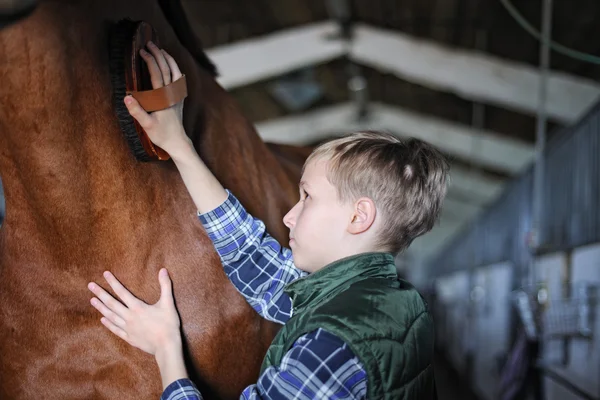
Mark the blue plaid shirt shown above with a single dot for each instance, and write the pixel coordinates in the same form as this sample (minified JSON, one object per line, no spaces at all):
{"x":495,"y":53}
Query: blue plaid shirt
{"x":319,"y":365}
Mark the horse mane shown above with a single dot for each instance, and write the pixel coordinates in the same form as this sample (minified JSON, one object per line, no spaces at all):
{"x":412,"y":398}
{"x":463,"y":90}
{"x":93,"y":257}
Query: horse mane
{"x":175,"y":14}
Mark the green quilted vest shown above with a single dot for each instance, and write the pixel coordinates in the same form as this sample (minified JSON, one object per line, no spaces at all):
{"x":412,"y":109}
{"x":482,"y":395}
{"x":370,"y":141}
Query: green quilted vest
{"x":383,"y":320}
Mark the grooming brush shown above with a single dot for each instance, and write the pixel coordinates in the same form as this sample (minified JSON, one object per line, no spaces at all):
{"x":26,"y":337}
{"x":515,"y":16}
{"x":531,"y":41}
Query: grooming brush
{"x":129,"y":75}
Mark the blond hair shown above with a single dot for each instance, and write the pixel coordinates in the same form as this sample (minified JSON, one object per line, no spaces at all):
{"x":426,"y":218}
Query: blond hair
{"x":406,"y":179}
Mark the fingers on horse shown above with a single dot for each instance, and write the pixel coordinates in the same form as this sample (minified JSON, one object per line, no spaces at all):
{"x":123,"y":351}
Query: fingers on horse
{"x":114,"y":329}
{"x":107,"y":313}
{"x":107,"y":299}
{"x":166,"y":287}
{"x":155,"y":74}
{"x":124,"y":294}
{"x":161,"y":61}
{"x":175,"y":72}
{"x":137,"y":112}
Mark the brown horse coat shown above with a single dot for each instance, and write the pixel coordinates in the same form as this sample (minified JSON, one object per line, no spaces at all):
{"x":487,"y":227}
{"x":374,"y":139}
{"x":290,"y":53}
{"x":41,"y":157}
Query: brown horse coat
{"x":78,"y":203}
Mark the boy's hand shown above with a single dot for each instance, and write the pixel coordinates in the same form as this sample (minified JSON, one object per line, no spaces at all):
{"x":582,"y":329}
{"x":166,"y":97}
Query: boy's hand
{"x":152,"y":328}
{"x":164,"y":127}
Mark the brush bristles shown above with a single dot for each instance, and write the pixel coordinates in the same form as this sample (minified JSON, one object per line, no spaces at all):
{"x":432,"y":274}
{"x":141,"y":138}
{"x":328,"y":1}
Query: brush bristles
{"x":120,"y":36}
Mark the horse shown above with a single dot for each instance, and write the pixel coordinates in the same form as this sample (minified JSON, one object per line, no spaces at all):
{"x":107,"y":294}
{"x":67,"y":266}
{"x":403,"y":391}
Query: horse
{"x":78,"y":203}
{"x":292,"y":158}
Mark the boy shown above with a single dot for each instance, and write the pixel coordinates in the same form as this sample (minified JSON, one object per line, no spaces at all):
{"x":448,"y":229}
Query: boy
{"x":352,"y":329}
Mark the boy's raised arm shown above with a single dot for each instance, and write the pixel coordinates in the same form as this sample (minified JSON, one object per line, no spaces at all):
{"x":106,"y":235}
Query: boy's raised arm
{"x":256,"y":264}
{"x":206,"y":191}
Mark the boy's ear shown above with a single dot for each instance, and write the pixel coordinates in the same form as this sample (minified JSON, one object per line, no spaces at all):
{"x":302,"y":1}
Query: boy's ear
{"x":363,"y":216}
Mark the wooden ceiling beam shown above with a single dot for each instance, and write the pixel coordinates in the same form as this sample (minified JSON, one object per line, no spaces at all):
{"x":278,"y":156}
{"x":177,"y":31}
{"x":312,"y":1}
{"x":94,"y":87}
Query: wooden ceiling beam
{"x":493,"y":150}
{"x":472,"y":75}
{"x":256,"y":59}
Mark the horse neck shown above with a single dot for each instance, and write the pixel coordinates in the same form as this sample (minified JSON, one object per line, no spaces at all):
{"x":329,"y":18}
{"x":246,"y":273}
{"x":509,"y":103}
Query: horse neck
{"x":64,"y":178}
{"x":63,"y":160}
{"x":63,"y":163}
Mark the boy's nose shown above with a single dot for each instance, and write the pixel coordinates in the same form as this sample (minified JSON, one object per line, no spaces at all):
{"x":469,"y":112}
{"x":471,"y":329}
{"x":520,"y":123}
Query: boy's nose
{"x":289,"y":218}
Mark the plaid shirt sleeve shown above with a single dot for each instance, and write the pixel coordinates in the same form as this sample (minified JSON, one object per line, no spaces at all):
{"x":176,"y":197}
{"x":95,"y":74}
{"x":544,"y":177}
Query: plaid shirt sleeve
{"x":181,"y":389}
{"x":257,"y":265}
{"x":318,"y":366}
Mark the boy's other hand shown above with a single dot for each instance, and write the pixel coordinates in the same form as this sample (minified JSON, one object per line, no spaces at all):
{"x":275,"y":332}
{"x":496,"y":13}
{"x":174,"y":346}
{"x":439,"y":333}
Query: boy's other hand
{"x":164,"y":127}
{"x":151,"y":328}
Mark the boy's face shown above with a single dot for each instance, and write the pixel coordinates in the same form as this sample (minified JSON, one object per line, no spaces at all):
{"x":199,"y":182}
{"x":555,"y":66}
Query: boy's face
{"x":318,"y":222}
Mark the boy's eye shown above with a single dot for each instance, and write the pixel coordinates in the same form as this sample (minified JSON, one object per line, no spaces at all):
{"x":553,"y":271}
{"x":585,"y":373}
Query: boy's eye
{"x":304,"y":195}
